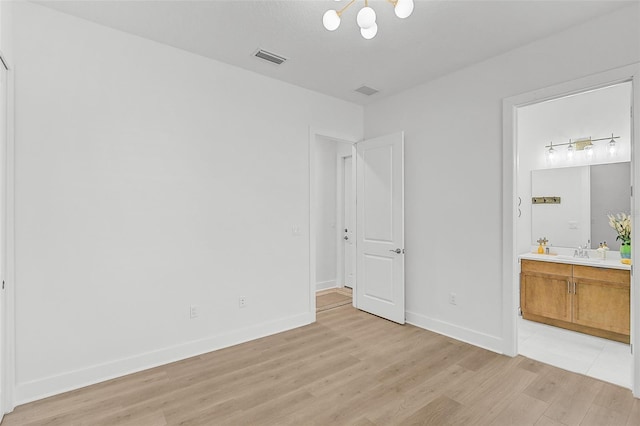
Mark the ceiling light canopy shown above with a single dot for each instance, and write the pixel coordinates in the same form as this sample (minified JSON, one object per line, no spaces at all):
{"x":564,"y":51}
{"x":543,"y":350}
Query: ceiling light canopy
{"x":366,"y":17}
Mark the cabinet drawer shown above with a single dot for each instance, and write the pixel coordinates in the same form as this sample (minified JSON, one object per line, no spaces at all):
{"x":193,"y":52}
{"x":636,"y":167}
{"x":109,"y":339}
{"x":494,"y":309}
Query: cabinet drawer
{"x":614,"y":276}
{"x":550,"y":268}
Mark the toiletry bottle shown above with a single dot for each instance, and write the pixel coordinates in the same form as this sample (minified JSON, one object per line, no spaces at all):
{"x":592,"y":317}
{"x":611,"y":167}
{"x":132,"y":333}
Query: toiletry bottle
{"x":540,"y":249}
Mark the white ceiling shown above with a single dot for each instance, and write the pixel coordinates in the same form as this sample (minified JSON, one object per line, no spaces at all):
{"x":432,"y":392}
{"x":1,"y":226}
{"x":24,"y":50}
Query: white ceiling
{"x":440,"y":37}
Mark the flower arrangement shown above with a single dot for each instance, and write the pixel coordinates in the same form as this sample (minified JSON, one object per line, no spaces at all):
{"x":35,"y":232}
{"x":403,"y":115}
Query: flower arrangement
{"x":622,"y":224}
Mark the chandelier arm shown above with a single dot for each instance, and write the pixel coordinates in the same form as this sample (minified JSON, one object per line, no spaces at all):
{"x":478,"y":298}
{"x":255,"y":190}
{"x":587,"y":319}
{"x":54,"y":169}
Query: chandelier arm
{"x":393,"y":2}
{"x":339,"y":12}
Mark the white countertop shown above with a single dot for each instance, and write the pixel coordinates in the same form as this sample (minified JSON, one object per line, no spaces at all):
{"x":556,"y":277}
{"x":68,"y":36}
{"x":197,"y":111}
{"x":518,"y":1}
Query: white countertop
{"x":592,"y":261}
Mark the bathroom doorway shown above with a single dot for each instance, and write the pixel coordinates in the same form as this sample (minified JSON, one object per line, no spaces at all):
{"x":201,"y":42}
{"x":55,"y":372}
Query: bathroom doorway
{"x":558,"y":117}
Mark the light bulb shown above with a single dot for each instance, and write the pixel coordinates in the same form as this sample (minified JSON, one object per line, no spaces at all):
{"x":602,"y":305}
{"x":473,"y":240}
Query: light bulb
{"x":588,"y":151}
{"x":331,"y":20}
{"x":551,"y":153}
{"x":370,"y":32}
{"x":570,"y":151}
{"x":404,"y":8}
{"x":612,"y":146}
{"x":366,"y":18}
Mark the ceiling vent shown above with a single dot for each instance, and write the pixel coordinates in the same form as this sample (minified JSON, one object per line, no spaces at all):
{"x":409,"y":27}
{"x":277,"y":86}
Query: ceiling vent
{"x":366,"y":90}
{"x":268,"y":56}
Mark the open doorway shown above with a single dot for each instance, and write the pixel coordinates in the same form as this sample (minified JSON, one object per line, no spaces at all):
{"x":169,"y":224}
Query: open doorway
{"x":334,"y":223}
{"x":576,"y":151}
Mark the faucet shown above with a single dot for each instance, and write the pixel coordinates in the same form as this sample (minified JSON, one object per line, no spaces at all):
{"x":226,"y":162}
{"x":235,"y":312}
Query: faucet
{"x":582,"y":252}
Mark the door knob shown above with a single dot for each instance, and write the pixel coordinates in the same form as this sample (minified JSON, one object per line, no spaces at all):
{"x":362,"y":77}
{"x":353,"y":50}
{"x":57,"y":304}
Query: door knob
{"x":398,"y":251}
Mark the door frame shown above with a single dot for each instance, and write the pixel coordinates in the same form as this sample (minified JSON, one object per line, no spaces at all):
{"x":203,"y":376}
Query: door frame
{"x":7,"y":220}
{"x":314,"y":134}
{"x":510,"y":278}
{"x":340,"y":223}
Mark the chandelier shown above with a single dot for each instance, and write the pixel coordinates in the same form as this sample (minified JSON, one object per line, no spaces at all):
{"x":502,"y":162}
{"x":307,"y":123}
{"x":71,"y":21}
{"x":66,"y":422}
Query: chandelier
{"x":366,"y":17}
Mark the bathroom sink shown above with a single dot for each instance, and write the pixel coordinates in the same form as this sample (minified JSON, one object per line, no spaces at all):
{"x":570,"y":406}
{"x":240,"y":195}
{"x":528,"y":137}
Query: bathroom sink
{"x":580,"y":259}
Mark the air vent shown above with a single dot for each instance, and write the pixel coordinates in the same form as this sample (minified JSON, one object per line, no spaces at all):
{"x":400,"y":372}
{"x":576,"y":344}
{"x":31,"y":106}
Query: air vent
{"x":366,"y":90}
{"x":268,"y":56}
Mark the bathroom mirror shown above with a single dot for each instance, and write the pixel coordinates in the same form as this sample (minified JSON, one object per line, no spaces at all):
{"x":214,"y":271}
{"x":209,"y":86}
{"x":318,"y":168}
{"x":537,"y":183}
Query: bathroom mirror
{"x":586,"y":195}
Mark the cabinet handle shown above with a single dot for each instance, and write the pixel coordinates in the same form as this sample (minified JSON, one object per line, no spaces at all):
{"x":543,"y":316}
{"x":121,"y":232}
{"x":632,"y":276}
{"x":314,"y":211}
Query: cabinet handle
{"x":568,"y":286}
{"x":574,"y":287}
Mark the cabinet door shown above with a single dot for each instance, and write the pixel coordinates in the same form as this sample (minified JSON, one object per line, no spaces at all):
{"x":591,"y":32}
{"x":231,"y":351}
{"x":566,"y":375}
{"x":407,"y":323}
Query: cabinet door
{"x":602,"y":305}
{"x":545,"y":295}
{"x":602,"y":299}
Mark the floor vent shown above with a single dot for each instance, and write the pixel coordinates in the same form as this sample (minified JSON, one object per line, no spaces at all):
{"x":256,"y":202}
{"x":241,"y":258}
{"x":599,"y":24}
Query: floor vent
{"x":268,"y":56}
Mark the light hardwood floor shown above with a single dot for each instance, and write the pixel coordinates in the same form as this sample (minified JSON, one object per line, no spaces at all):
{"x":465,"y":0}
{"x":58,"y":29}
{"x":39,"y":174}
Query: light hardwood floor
{"x":332,"y":298}
{"x":347,"y":368}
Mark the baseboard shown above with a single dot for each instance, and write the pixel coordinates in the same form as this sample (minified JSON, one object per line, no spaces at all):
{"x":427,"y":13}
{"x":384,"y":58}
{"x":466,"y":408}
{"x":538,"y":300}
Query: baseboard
{"x":485,"y":341}
{"x":323,"y":285}
{"x":53,"y":385}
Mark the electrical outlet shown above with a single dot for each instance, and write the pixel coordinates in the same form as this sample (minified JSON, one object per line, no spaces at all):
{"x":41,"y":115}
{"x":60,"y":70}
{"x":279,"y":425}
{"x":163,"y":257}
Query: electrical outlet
{"x":452,"y":299}
{"x":194,"y":311}
{"x":242,"y":302}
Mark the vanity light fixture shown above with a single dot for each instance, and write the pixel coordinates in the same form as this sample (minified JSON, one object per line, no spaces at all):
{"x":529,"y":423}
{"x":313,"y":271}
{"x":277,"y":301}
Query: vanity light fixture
{"x":366,"y":17}
{"x":585,"y":145}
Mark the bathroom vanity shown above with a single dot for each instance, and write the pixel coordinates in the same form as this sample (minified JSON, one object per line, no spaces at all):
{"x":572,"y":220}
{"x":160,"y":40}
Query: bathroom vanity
{"x":588,"y":296}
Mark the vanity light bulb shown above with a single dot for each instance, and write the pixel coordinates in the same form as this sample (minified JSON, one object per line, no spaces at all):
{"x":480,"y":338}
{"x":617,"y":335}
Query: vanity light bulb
{"x":612,"y":147}
{"x":588,"y":151}
{"x":570,"y":151}
{"x":551,"y":154}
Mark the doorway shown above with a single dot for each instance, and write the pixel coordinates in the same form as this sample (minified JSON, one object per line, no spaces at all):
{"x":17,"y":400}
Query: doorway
{"x":377,"y":182}
{"x":334,"y":191}
{"x":520,"y":336}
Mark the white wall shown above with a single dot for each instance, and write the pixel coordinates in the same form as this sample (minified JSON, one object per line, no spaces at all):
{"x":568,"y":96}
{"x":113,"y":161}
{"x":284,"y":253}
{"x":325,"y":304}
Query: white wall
{"x":326,"y":218}
{"x":149,"y":179}
{"x":453,"y":168}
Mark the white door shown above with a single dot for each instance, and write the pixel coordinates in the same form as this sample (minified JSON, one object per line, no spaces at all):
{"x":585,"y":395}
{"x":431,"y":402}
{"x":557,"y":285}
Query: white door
{"x":380,"y":226}
{"x":349,"y":233}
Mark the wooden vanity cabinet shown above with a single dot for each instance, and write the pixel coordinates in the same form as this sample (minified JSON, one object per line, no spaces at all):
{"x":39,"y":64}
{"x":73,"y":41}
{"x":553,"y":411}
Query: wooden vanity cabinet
{"x":587,"y":299}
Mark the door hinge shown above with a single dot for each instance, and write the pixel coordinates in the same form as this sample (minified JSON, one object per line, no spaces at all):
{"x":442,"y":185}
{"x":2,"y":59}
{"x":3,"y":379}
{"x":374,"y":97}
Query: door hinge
{"x":3,"y":284}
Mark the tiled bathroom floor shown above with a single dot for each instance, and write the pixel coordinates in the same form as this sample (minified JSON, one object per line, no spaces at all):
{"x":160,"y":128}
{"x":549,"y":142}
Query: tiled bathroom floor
{"x":592,"y":356}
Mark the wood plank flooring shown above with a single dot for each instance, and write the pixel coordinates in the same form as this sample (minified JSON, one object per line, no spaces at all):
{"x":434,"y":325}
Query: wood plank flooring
{"x":349,"y":368}
{"x":332,"y":298}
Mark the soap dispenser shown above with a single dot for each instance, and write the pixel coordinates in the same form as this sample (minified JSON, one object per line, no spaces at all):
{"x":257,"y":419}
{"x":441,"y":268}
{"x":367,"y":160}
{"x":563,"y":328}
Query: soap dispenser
{"x":541,"y":242}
